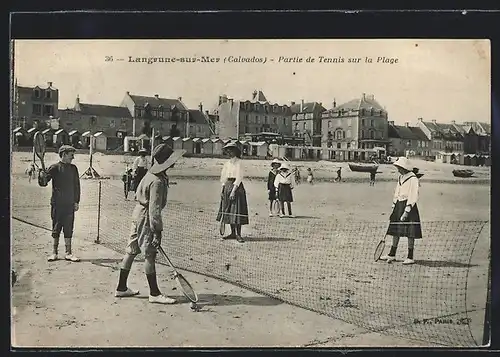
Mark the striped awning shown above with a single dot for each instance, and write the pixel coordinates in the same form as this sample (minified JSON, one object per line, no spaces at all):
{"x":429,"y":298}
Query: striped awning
{"x":17,"y":129}
{"x":87,"y":133}
{"x":73,"y":132}
{"x":59,"y":131}
{"x":100,"y":133}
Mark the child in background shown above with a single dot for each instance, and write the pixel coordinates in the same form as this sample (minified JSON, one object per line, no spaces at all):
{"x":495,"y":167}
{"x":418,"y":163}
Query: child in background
{"x":127,"y":182}
{"x":309,"y":176}
{"x":275,"y":164}
{"x":285,"y":183}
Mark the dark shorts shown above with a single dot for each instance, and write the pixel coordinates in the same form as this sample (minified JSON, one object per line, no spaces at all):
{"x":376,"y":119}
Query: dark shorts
{"x":63,"y":219}
{"x":411,"y":228}
{"x":272,"y":194}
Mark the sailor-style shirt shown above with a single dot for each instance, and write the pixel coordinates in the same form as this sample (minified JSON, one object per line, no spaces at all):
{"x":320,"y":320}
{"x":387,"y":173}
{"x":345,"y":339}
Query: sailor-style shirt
{"x":407,"y":189}
{"x":284,"y":178}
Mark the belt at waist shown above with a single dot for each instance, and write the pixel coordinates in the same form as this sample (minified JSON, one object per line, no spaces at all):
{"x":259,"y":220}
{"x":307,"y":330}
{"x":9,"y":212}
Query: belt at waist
{"x":231,"y":179}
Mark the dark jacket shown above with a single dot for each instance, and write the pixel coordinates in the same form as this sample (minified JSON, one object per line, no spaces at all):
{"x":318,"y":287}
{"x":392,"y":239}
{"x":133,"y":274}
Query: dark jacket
{"x":65,"y":184}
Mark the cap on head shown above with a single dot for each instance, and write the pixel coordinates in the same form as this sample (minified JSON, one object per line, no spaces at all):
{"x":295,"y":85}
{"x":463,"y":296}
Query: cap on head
{"x":66,"y":148}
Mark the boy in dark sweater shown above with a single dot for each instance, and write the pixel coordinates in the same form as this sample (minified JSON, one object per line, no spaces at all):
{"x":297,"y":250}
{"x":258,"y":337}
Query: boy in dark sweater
{"x":65,"y":199}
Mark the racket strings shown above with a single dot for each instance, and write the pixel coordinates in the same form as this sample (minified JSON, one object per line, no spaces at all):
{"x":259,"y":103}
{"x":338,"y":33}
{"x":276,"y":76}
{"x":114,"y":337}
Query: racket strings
{"x":186,"y":288}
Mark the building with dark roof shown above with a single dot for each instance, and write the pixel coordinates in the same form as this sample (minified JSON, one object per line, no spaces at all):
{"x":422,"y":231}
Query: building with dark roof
{"x":239,"y":117}
{"x":306,"y":121}
{"x":164,"y":115}
{"x":361,"y":123}
{"x":34,"y":105}
{"x":443,"y":137}
{"x":405,"y":139}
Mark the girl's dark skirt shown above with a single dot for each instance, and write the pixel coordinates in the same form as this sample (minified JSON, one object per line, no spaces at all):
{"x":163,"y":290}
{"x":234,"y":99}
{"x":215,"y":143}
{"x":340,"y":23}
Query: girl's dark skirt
{"x":410,"y":228}
{"x":285,"y":192}
{"x":235,"y":211}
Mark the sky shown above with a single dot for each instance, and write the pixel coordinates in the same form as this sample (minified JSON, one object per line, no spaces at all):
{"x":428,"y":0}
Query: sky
{"x":443,"y":80}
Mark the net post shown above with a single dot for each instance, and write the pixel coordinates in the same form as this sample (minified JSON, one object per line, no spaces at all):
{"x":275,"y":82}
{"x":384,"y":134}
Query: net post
{"x":98,"y":239}
{"x":487,"y":312}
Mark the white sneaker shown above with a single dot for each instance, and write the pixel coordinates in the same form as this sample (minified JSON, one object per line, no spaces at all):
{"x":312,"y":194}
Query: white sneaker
{"x":161,"y":299}
{"x":52,"y":258}
{"x":408,"y":261}
{"x":390,"y":259}
{"x":271,"y":214}
{"x":127,"y":293}
{"x":71,"y":258}
{"x":291,"y":216}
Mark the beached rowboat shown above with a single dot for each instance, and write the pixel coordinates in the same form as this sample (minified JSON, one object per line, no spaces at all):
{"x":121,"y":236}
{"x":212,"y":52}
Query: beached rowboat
{"x":363,"y":167}
{"x":463,"y":173}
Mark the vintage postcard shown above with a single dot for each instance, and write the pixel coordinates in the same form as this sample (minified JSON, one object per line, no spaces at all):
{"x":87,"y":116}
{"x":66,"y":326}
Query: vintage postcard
{"x":250,"y":193}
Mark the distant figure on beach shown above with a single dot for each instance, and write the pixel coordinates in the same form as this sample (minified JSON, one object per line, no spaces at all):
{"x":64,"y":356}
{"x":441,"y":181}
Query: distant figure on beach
{"x":128,"y":183}
{"x":373,"y":173}
{"x":310,"y":177}
{"x":339,"y":175}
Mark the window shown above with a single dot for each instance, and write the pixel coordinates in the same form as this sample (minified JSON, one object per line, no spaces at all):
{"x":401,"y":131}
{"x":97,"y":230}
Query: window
{"x":339,"y":134}
{"x":372,"y":134}
{"x":348,"y":145}
{"x":371,"y":123}
{"x":112,"y":123}
{"x":348,"y":133}
{"x":37,"y":109}
{"x":246,"y":129}
{"x":305,"y":125}
{"x":343,"y":134}
{"x":329,"y":123}
{"x":275,"y":120}
{"x":37,"y":93}
{"x":257,"y":119}
{"x":48,"y":94}
{"x":284,"y":121}
{"x":265,"y":119}
{"x":296,"y":126}
{"x":338,"y":145}
{"x":362,"y":112}
{"x":349,"y":122}
{"x":246,"y":118}
{"x":257,"y":106}
{"x":160,"y":112}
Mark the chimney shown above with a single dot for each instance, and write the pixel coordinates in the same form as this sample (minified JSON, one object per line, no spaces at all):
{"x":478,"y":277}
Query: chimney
{"x":334,"y":103}
{"x":433,"y":121}
{"x":453,"y":122}
{"x":363,"y":96}
{"x":206,"y":112}
{"x":200,"y":107}
{"x":49,"y":84}
{"x":179,"y":99}
{"x":407,"y":124}
{"x":301,"y":105}
{"x":292,"y":103}
{"x":420,"y":119}
{"x":391,"y":122}
{"x":157,"y":96}
{"x":77,"y":103}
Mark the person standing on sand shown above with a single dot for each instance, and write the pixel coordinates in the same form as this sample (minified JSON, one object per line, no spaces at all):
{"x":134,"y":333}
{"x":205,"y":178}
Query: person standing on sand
{"x":275,"y":164}
{"x":147,"y":224}
{"x":310,"y":176}
{"x":339,"y":172}
{"x":405,"y":217}
{"x":285,"y":183}
{"x":233,"y":207}
{"x":373,"y":173}
{"x":140,"y":167}
{"x":65,"y":199}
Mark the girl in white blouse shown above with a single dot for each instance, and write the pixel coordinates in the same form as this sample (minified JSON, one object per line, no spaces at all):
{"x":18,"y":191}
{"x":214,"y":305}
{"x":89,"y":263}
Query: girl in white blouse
{"x":233,"y":209}
{"x":405,"y":218}
{"x":285,"y":182}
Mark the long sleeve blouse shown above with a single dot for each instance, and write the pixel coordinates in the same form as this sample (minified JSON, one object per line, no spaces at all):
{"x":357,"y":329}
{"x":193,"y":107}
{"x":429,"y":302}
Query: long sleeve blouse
{"x":407,"y":189}
{"x":232,"y":169}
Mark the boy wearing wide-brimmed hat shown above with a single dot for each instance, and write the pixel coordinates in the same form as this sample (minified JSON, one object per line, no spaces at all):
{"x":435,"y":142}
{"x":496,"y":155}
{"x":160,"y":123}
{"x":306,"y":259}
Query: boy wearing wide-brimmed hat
{"x":65,"y":199}
{"x":147,"y":224}
{"x":405,"y":217}
{"x":271,"y":189}
{"x":233,"y":208}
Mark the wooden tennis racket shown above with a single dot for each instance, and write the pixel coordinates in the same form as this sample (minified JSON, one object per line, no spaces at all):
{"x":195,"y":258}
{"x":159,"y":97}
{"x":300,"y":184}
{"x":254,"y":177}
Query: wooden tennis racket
{"x":184,"y":285}
{"x":39,"y":148}
{"x":379,"y":249}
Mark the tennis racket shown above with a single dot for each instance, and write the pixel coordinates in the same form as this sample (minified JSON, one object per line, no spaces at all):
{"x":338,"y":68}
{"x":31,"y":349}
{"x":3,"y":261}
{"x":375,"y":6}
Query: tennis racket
{"x":184,"y":285}
{"x":39,"y":148}
{"x":276,"y":207}
{"x":379,"y":249}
